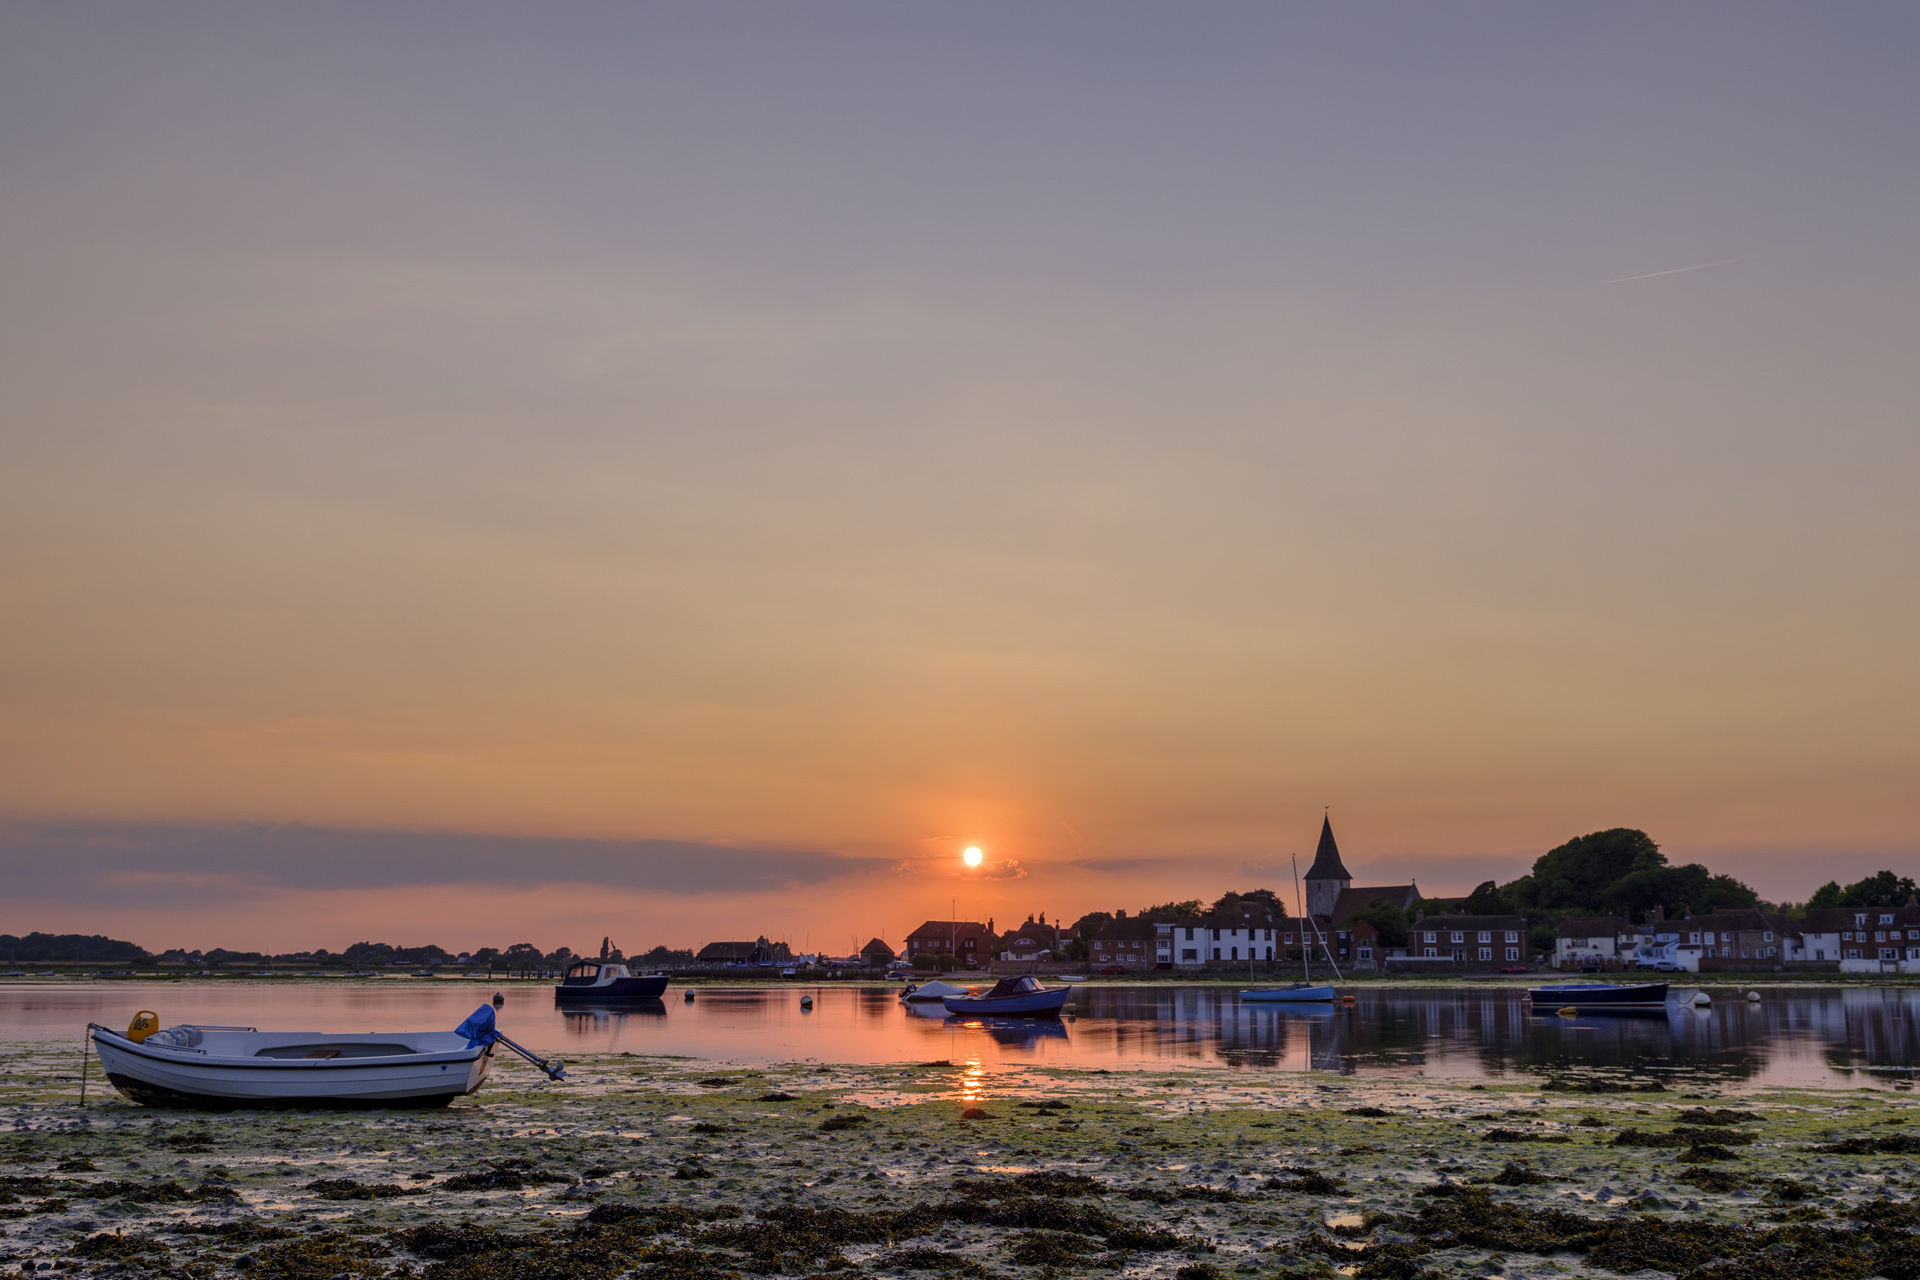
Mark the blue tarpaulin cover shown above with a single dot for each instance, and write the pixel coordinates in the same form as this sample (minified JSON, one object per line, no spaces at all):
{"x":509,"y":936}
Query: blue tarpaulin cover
{"x":478,"y":1028}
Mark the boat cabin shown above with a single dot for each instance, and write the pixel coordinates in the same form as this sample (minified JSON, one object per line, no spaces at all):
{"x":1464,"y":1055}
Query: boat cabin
{"x":1025,"y":984}
{"x":592,"y":973}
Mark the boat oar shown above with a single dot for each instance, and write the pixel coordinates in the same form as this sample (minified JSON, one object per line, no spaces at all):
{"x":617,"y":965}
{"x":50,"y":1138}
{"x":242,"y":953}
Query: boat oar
{"x":556,"y":1070}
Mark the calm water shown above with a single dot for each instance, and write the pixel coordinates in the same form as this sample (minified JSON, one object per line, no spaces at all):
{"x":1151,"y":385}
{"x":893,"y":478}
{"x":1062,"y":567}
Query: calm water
{"x":1832,"y":1037}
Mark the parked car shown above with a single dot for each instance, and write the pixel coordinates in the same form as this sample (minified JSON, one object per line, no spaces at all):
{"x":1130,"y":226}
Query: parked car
{"x":1112,"y":971}
{"x":1515,"y":968}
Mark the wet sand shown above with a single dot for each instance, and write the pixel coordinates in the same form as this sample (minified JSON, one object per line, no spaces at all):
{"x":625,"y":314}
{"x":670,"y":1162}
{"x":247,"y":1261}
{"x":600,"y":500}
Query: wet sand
{"x":674,"y":1168}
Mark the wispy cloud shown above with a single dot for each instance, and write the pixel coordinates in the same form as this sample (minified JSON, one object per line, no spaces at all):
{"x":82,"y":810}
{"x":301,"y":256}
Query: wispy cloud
{"x":1674,"y":271}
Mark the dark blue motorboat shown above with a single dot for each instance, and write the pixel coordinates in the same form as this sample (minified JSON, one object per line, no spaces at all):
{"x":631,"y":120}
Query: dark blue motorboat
{"x":1590,"y":996}
{"x":591,"y":982}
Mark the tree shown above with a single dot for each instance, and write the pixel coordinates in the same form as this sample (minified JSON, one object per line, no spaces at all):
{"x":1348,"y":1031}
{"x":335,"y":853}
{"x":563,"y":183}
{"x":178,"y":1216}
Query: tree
{"x":1575,"y":876}
{"x":1883,"y":889}
{"x":1188,"y":910}
{"x":1088,"y":926}
{"x":523,"y":956}
{"x":1259,"y":901}
{"x":1487,"y":900}
{"x":605,"y":947}
{"x":1390,"y":920}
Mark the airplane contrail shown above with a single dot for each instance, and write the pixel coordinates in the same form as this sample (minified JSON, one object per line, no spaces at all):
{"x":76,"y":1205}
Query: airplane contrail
{"x":1700,"y":266}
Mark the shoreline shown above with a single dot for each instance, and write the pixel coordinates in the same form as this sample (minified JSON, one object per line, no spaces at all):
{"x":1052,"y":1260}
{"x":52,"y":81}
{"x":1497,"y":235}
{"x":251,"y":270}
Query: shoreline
{"x":683,"y":1168}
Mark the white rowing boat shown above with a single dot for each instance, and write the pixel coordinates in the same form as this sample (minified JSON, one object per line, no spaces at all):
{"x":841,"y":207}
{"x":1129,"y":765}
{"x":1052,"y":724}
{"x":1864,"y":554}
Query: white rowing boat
{"x":195,"y":1066}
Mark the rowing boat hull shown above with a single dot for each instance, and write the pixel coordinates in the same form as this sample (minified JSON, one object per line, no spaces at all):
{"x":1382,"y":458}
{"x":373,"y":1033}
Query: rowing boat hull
{"x":1040,"y":1004}
{"x":1591,"y":996}
{"x":1288,"y":995}
{"x":173,"y":1078}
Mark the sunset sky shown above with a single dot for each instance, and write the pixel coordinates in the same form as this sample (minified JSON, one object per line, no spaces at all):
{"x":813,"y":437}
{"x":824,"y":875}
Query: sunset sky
{"x":477,"y":473}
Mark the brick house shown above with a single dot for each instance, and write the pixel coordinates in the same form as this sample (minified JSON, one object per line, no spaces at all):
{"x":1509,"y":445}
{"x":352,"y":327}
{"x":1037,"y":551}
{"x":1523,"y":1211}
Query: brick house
{"x":1749,"y":940}
{"x":1127,"y":940}
{"x":967,"y":943}
{"x":1863,"y":939}
{"x":1463,"y":942}
{"x":1034,"y":940}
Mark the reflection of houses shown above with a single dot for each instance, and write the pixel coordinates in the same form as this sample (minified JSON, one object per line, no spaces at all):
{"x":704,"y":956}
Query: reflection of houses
{"x":967,"y":942}
{"x":876,"y":954}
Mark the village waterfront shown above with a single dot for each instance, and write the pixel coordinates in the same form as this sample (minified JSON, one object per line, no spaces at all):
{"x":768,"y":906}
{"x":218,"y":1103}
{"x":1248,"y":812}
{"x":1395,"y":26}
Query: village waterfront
{"x":1164,"y":1131}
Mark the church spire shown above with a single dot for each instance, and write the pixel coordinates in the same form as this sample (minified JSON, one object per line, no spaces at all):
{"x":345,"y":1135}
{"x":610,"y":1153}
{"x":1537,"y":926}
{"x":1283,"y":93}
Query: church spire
{"x":1326,"y":859}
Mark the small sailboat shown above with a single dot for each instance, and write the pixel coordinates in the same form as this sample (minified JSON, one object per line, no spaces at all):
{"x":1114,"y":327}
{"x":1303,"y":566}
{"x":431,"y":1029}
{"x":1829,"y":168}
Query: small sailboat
{"x":1021,"y":997}
{"x":932,"y":992}
{"x":596,"y":982}
{"x":219,"y":1067}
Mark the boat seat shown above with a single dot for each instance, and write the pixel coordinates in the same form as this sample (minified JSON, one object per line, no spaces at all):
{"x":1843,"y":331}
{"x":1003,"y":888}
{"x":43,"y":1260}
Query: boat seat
{"x":334,"y":1051}
{"x":175,"y":1038}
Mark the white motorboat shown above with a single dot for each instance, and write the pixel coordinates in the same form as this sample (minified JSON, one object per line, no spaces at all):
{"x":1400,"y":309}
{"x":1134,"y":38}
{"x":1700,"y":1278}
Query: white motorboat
{"x":198,"y":1066}
{"x":931,"y":992}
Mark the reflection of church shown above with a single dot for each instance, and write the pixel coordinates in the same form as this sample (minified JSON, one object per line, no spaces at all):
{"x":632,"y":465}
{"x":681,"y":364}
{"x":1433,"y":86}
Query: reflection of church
{"x":1333,"y":902}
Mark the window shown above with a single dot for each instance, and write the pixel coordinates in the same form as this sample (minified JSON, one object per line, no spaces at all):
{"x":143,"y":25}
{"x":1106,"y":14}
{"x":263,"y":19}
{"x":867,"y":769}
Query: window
{"x":1189,"y":954}
{"x":1428,"y":938}
{"x":1366,"y":953}
{"x":1512,"y":936}
{"x":1216,"y":938}
{"x":1486,"y":937}
{"x":1859,"y":920}
{"x":1234,"y":956}
{"x":1879,"y":935}
{"x":1429,"y":953}
{"x":1886,"y":919}
{"x":1709,"y":937}
{"x":1846,"y":935}
{"x":1269,"y":953}
{"x":1458,"y":937}
{"x":1889,"y":953}
{"x":1853,"y":953}
{"x":1459,"y":955}
{"x":1287,"y":940}
{"x":1189,"y":933}
{"x":1513,"y":953}
{"x":1216,"y":953}
{"x":1767,"y":936}
{"x":1486,"y":953}
{"x":1819,"y":954}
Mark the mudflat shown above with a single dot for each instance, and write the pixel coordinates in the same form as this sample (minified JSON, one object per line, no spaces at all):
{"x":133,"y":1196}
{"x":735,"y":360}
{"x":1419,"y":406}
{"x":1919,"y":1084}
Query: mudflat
{"x":681,"y":1169}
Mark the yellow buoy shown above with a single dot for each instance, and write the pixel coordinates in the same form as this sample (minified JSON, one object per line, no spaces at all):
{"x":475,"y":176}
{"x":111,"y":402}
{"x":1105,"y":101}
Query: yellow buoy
{"x":144,"y":1024}
{"x":1569,"y":1012}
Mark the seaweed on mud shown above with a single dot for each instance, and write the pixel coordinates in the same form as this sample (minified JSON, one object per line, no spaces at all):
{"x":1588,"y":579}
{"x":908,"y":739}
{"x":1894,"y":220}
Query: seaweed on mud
{"x":1035,"y":1183}
{"x":1897,"y":1144}
{"x":232,"y":1234}
{"x":957,"y":1264}
{"x":1713,"y":1179}
{"x":833,"y":1124}
{"x":115,"y":1247}
{"x":1704,"y":1152}
{"x":1310,"y":1181}
{"x":683,"y":1264}
{"x":717,"y":1082}
{"x":789,"y":1237}
{"x":1145,"y":1239}
{"x":78,"y":1164}
{"x":1719,"y":1116}
{"x":440,"y":1241}
{"x":1589,"y":1122}
{"x":1784,"y":1190}
{"x":501,"y":1175}
{"x":776,"y":1096}
{"x":1680,"y":1137}
{"x":707,"y":1127}
{"x":1052,"y":1249}
{"x":1163,"y":1195}
{"x":193,"y":1140}
{"x":322,"y":1256}
{"x":348,"y":1189}
{"x":1197,"y":1271}
{"x":1367,"y":1111}
{"x":166,"y":1192}
{"x":1516,"y":1175}
{"x":689,"y":1172}
{"x":1583,"y":1084}
{"x":1522,"y":1135}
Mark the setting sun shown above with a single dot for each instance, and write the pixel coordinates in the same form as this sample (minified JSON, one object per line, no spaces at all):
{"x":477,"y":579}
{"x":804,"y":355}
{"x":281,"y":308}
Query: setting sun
{"x":971,"y":857}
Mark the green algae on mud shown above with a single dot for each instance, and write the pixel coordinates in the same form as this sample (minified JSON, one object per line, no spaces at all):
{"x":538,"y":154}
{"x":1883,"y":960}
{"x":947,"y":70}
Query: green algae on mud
{"x":1162,"y":1172}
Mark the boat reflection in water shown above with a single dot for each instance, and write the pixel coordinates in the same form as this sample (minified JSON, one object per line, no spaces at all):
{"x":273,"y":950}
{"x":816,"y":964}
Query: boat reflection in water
{"x":1012,"y":1033}
{"x":604,"y":1017}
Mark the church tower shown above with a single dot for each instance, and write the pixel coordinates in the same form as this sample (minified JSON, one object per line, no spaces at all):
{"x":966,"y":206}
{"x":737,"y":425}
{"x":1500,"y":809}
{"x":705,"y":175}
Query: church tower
{"x":1327,"y":877}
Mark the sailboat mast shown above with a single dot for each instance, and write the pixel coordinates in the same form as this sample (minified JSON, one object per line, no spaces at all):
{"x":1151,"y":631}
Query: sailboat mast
{"x":1306,"y":948}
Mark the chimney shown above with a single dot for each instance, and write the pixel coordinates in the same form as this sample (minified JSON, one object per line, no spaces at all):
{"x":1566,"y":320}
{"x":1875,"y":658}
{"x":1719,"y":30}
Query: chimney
{"x":1121,"y":914}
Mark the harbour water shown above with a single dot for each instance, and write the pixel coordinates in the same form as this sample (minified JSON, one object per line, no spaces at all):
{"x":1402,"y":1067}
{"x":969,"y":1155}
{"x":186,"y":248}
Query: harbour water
{"x":1819,"y":1037}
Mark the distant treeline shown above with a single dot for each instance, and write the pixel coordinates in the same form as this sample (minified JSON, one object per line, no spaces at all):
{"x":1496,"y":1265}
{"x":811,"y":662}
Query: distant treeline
{"x":74,"y":948}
